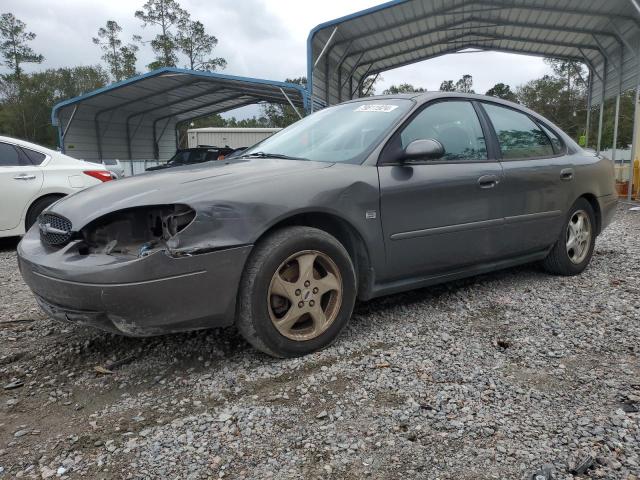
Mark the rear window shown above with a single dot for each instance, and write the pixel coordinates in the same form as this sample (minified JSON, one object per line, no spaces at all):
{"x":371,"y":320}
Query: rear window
{"x":34,"y":157}
{"x":518,"y":135}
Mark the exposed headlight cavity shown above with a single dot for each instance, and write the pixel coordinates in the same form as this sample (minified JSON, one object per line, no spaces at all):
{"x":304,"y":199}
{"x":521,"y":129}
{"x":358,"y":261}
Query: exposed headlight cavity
{"x":137,"y":232}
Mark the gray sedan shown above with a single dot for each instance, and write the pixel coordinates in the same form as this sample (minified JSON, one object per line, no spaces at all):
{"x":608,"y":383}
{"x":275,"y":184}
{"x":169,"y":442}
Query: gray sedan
{"x":363,"y":199}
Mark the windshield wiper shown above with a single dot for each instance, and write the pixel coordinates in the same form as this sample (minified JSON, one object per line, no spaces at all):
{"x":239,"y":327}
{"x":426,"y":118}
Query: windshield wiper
{"x":270,"y":155}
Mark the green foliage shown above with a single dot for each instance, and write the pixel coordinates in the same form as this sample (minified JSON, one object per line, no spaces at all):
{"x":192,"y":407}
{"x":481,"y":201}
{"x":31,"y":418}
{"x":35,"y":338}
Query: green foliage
{"x":121,"y":59}
{"x":165,"y":14}
{"x":280,"y":115}
{"x":464,"y":85}
{"x":197,"y":45}
{"x":625,"y":122}
{"x":369,"y":85}
{"x":403,"y":88}
{"x":14,"y":46}
{"x":500,"y":90}
{"x":25,"y":111}
{"x":549,"y":97}
{"x":447,"y":86}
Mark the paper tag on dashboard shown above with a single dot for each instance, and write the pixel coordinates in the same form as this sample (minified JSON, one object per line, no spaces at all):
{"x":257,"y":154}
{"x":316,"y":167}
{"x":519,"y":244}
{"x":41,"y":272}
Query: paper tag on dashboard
{"x":376,"y":108}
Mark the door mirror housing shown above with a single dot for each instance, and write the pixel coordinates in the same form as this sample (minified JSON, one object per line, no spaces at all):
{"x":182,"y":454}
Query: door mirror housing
{"x":429,"y":149}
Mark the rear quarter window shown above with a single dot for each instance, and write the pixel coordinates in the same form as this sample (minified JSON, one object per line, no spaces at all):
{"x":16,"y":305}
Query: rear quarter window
{"x":34,"y":157}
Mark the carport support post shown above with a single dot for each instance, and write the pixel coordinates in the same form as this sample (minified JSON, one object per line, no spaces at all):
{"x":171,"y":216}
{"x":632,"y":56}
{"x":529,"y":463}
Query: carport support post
{"x":634,"y":142}
{"x":589,"y":106}
{"x":600,"y":119}
{"x":615,"y":129}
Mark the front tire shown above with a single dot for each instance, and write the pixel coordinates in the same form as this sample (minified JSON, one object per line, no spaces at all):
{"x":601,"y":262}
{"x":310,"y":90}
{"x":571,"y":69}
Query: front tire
{"x":573,"y":251}
{"x":297,"y":292}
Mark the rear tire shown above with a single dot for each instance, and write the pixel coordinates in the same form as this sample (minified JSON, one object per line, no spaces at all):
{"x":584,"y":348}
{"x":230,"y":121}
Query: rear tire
{"x":297,"y":292}
{"x":37,"y":208}
{"x":573,"y":251}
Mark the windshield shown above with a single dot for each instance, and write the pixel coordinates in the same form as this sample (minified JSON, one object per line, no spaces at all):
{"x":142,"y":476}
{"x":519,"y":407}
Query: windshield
{"x":192,"y":156}
{"x":345,"y":133}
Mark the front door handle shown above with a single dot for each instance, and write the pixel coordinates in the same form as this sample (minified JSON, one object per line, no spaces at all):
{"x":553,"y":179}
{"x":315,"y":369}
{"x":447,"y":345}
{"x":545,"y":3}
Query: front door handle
{"x":24,"y":176}
{"x":566,"y":174}
{"x":488,"y":181}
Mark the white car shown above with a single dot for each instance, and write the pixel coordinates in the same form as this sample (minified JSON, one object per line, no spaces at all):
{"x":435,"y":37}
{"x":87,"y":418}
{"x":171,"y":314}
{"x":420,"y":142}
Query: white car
{"x":33,"y":177}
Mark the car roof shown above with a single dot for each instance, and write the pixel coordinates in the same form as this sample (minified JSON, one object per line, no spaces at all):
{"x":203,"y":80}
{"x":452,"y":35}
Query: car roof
{"x":24,"y":143}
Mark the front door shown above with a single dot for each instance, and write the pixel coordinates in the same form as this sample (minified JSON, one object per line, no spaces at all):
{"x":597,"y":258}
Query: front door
{"x":20,"y":182}
{"x":445,"y":214}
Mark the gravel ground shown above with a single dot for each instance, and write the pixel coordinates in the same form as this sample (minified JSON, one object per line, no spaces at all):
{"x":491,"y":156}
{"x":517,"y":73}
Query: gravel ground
{"x":487,"y":378}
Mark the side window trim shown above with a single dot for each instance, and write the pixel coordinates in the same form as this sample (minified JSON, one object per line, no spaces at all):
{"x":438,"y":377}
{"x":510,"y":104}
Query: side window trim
{"x":396,"y":134}
{"x":533,"y":119}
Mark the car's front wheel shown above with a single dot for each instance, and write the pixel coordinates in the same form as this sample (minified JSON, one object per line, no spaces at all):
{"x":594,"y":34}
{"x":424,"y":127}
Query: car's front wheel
{"x":572,"y":252}
{"x":297,"y":292}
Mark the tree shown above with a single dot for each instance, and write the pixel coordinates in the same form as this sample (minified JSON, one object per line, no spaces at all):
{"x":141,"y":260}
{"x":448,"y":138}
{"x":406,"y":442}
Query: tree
{"x":447,"y":86}
{"x":280,"y":115}
{"x":500,"y":90}
{"x":14,"y":46}
{"x":197,"y":45}
{"x":164,"y":14}
{"x":120,"y":59}
{"x":25,"y":112}
{"x":369,"y":85}
{"x":464,"y":84}
{"x":403,"y":88}
{"x":549,"y":97}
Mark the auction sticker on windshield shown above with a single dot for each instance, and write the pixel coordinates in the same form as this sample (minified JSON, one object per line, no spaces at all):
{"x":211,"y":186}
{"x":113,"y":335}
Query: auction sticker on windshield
{"x":376,"y":108}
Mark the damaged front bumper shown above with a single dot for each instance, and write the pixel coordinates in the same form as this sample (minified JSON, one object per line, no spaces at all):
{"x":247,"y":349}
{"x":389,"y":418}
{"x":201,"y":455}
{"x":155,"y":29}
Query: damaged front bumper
{"x":150,"y":295}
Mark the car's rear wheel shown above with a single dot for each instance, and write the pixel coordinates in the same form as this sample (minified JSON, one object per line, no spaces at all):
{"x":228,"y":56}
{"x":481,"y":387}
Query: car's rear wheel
{"x":573,"y":251}
{"x":297,"y":292}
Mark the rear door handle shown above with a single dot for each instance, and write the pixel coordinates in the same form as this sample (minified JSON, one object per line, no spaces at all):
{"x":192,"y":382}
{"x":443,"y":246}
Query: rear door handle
{"x":24,"y":176}
{"x":488,"y":181}
{"x":566,"y":174}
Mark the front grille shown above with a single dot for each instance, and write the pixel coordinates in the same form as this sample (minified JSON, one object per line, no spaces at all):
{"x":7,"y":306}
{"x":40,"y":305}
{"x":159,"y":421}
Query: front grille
{"x":54,"y":229}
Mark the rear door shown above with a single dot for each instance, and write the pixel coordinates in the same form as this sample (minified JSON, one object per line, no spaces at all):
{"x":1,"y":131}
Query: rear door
{"x":20,"y":182}
{"x":441,"y":215}
{"x":536,"y":174}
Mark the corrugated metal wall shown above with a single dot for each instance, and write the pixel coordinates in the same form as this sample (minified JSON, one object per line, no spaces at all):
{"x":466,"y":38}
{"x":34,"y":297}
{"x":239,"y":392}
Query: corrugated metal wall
{"x":232,"y":137}
{"x":81,"y":141}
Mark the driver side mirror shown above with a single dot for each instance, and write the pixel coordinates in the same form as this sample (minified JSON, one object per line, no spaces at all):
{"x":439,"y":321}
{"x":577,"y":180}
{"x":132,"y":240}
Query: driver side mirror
{"x":429,"y":149}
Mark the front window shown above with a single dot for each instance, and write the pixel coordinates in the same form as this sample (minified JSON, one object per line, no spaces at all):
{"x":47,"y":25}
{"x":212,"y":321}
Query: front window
{"x":455,"y":125}
{"x":345,"y":133}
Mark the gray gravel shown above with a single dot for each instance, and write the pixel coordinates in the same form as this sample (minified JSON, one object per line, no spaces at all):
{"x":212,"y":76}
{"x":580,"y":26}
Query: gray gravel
{"x":487,"y":378}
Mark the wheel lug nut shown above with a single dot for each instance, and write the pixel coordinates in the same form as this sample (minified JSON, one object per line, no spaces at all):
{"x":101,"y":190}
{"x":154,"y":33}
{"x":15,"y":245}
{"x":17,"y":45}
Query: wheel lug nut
{"x":298,"y":292}
{"x":312,"y":303}
{"x":315,"y":290}
{"x":300,"y":304}
{"x":307,"y":283}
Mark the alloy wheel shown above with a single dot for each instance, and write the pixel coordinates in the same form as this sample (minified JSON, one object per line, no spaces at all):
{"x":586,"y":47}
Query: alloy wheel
{"x":305,"y":295}
{"x":578,"y":236}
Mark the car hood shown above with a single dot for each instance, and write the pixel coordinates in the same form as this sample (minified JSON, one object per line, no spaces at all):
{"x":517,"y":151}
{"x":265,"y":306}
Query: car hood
{"x":189,"y":185}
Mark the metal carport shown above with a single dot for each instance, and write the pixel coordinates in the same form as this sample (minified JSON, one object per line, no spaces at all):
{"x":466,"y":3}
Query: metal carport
{"x":605,"y":35}
{"x":137,"y":118}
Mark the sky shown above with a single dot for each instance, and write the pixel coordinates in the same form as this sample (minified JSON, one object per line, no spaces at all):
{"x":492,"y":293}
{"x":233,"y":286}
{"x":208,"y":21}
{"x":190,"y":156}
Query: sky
{"x":258,"y":38}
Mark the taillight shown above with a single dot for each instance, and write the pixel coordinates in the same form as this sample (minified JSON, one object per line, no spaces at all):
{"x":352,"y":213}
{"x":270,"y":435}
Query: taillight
{"x":102,"y":175}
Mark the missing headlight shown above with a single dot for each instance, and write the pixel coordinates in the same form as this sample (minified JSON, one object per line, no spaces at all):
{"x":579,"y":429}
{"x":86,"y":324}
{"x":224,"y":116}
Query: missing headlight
{"x":136,"y":232}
